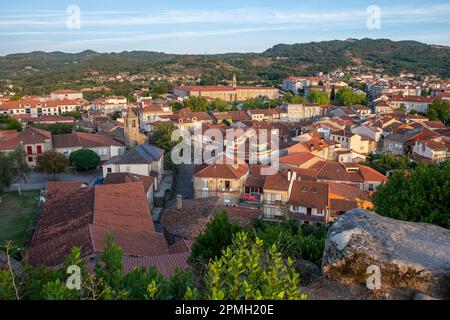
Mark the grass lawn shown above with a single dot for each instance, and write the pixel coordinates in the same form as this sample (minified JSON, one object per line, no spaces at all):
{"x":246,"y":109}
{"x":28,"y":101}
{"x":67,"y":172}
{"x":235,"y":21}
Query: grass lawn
{"x":15,"y":216}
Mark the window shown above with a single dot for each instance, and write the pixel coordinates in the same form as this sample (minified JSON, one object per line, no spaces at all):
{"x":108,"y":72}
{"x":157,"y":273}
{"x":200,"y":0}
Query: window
{"x":226,"y":198}
{"x":30,"y":159}
{"x":109,"y":170}
{"x":39,"y":149}
{"x":29,"y":150}
{"x":103,"y":152}
{"x":205,"y":184}
{"x":227,"y":185}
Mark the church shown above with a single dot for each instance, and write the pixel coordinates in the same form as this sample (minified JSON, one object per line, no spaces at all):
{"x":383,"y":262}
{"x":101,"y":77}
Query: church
{"x":133,"y":136}
{"x":227,"y":93}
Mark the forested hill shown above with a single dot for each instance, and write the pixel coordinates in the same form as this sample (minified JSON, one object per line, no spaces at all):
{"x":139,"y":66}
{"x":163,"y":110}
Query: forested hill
{"x":393,"y":56}
{"x":56,"y":68}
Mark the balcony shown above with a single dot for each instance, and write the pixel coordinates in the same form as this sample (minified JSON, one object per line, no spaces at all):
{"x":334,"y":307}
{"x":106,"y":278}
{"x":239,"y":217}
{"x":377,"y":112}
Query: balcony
{"x":273,"y":202}
{"x":250,"y":200}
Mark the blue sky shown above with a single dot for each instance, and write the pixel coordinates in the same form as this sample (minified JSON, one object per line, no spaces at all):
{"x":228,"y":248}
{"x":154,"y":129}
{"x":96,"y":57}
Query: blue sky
{"x":187,"y":26}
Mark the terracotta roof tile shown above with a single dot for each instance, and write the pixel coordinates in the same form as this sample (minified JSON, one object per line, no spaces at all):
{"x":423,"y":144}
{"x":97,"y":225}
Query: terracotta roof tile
{"x":83,"y":216}
{"x":133,"y":242}
{"x":297,"y":159}
{"x":82,"y":139}
{"x":131,"y":211}
{"x":224,"y":170}
{"x":309,"y":194}
{"x":126,"y":177}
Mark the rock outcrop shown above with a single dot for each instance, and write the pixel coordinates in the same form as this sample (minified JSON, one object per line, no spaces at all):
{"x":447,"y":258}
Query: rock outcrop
{"x":16,"y":266}
{"x":409,"y":255}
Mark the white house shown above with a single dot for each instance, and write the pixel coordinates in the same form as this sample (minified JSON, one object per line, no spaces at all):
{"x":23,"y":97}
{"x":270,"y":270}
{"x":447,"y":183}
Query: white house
{"x":105,"y":147}
{"x":368,"y":131}
{"x":145,"y":159}
{"x":436,"y":150}
{"x":66,"y":94}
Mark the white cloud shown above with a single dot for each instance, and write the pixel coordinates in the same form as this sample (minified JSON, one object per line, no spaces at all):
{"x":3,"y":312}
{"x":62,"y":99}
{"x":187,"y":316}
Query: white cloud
{"x":236,"y":16}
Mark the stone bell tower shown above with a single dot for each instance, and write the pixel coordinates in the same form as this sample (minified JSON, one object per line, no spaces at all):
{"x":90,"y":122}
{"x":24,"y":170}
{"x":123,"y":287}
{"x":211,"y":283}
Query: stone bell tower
{"x":234,"y":81}
{"x":131,"y":129}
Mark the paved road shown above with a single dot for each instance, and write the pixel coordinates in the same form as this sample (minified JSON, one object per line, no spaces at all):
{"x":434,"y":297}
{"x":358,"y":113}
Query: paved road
{"x":38,"y":180}
{"x":184,"y":181}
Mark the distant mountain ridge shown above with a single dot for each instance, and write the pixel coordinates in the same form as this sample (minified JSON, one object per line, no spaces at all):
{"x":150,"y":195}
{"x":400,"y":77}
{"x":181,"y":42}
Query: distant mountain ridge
{"x":45,"y":69}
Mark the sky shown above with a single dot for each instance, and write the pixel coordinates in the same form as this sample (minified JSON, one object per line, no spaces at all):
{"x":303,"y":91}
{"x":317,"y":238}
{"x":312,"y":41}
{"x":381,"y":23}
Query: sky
{"x":198,"y":27}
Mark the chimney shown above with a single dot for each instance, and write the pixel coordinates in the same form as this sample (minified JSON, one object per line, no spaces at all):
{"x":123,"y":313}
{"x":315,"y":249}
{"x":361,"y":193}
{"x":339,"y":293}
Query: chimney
{"x":179,"y":202}
{"x":289,"y":175}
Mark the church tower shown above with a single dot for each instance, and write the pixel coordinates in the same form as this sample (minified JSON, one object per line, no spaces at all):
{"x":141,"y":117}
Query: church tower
{"x":234,"y":81}
{"x":131,"y":129}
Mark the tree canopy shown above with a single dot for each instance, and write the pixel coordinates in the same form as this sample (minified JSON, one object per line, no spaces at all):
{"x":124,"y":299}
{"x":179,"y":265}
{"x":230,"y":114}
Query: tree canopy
{"x":293,"y":99}
{"x":52,"y":162}
{"x":439,"y":110}
{"x":9,"y":123}
{"x":421,"y":195}
{"x":13,"y":168}
{"x":218,"y":235}
{"x":218,"y":105}
{"x":246,"y":271}
{"x":318,"y":97}
{"x":347,"y":97}
{"x":196,"y":104}
{"x":84,"y":159}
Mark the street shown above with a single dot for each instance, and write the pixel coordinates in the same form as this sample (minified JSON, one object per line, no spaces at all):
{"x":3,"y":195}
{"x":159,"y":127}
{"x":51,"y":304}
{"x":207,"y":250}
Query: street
{"x":184,"y":181}
{"x":38,"y":180}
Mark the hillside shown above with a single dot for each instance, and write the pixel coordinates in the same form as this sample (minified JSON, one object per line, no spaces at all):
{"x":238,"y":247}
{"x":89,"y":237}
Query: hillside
{"x":43,"y":71}
{"x":393,"y":56}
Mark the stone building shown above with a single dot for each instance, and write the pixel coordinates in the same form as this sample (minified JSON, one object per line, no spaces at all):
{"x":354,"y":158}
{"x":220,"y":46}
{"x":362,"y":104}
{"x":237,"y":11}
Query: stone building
{"x":227,"y":93}
{"x":133,"y":136}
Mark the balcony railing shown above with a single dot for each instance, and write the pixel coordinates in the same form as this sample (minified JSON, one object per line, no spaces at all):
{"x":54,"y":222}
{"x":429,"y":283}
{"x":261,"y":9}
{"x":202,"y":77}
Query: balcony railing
{"x":250,"y":200}
{"x":273,"y":202}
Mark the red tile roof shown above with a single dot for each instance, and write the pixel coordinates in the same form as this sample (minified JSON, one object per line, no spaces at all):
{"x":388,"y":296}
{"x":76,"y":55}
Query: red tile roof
{"x":29,"y":136}
{"x":277,"y":181}
{"x":297,"y":159}
{"x":185,"y":115}
{"x":64,"y":91}
{"x":400,"y":98}
{"x":371,"y":175}
{"x":52,"y":118}
{"x":82,"y":139}
{"x":123,"y":205}
{"x":126,"y":177}
{"x":62,"y":224}
{"x":133,"y":242}
{"x":181,"y":246}
{"x":434,"y":124}
{"x":309,"y":194}
{"x":64,"y":186}
{"x":83,"y":216}
{"x":224,"y":170}
{"x":235,"y":115}
{"x":221,"y":88}
{"x":346,"y":172}
{"x":165,"y":264}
